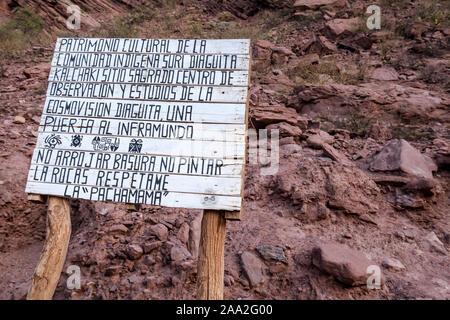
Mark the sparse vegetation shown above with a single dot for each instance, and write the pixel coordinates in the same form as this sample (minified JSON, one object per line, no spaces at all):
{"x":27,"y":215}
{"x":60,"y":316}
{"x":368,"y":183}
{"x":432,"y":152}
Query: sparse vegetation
{"x":434,"y":12}
{"x":314,"y":73}
{"x":357,"y":122}
{"x":168,"y":20}
{"x":19,"y":33}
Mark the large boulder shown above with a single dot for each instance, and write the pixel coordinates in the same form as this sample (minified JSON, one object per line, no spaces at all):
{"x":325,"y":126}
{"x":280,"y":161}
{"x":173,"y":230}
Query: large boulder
{"x":347,"y":265}
{"x":399,"y":155}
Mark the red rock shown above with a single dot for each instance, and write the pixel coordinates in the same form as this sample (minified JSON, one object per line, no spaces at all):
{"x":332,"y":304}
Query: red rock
{"x":118,"y":229}
{"x":150,"y":246}
{"x":393,"y":264}
{"x":315,"y":4}
{"x":179,"y":254}
{"x":287,"y":140}
{"x":319,"y":139}
{"x":194,"y":235}
{"x":384,"y":74}
{"x":432,"y":243}
{"x":134,"y":251}
{"x":400,"y":155}
{"x":19,"y":120}
{"x":113,"y":270}
{"x":268,"y":114}
{"x":254,"y":268}
{"x":183,"y":233}
{"x":285,"y":129}
{"x":39,"y":71}
{"x":336,"y":27}
{"x":281,"y":55}
{"x":347,"y":265}
{"x":160,"y":231}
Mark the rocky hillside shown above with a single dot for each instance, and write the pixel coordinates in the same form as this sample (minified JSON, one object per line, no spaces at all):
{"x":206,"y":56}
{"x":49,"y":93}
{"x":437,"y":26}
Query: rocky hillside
{"x":364,"y":157}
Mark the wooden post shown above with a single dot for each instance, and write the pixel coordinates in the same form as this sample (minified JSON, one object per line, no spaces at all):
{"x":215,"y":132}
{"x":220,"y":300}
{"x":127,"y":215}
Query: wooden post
{"x":51,"y":261}
{"x":210,"y":266}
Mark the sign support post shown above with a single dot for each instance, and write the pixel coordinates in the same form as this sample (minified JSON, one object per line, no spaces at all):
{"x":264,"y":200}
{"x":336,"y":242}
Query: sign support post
{"x":210,"y":265}
{"x":53,"y":255}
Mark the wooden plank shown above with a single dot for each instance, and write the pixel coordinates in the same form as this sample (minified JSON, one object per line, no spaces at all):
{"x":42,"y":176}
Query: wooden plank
{"x":38,"y":198}
{"x":210,"y":267}
{"x":150,"y":76}
{"x":51,"y":261}
{"x":233,"y":215}
{"x":137,"y":162}
{"x":56,"y":175}
{"x":147,"y":92}
{"x":143,"y":129}
{"x":147,"y":61}
{"x":159,"y":198}
{"x":184,"y":148}
{"x":208,"y":46}
{"x":135,"y":110}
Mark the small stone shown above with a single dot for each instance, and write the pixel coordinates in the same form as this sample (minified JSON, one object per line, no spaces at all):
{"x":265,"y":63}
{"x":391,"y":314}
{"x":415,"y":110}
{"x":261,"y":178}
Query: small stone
{"x":384,"y":74}
{"x":434,"y":244}
{"x":285,"y":129}
{"x":113,"y":270}
{"x":228,"y":280}
{"x":367,"y":218}
{"x":347,"y":235}
{"x":400,"y":235}
{"x":394,"y":264}
{"x":149,"y":261}
{"x":179,"y":254}
{"x":254,"y":268}
{"x":118,"y":229}
{"x":150,"y":282}
{"x":149,"y":247}
{"x":269,"y":252}
{"x":132,"y":278}
{"x":319,"y":139}
{"x":183,"y":233}
{"x":409,"y":234}
{"x":19,"y":120}
{"x":160,"y":231}
{"x":134,"y":251}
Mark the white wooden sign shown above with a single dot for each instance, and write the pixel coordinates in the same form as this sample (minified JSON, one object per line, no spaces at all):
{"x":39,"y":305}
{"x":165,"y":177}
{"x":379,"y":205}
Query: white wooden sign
{"x":151,"y":121}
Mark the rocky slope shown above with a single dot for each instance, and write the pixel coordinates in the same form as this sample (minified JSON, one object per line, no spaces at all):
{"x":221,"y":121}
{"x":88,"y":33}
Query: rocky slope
{"x":363,"y":175}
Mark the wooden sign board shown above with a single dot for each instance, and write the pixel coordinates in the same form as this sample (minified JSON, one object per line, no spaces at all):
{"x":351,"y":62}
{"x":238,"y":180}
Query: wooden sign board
{"x":145,"y":121}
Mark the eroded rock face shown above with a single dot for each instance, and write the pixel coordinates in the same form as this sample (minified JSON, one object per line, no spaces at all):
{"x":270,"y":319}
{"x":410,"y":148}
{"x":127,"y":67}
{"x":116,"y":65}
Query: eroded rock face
{"x":338,"y":185}
{"x":399,"y":155}
{"x":347,"y":265}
